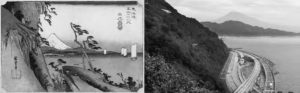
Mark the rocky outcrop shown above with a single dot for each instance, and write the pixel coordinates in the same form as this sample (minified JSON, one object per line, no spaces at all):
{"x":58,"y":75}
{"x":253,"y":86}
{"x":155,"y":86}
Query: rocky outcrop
{"x":19,"y":26}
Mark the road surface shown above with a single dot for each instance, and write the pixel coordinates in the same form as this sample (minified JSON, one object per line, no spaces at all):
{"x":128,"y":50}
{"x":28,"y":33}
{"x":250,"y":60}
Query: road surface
{"x":237,"y":83}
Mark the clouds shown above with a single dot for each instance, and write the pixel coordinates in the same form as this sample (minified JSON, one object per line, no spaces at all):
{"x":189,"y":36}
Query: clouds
{"x":273,"y":11}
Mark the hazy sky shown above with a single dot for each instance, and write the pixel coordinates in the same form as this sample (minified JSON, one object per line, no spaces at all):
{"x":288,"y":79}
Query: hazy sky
{"x":282,"y":12}
{"x":101,"y":21}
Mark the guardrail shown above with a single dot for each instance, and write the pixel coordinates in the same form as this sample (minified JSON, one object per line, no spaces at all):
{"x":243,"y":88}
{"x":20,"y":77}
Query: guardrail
{"x":270,"y":80}
{"x":249,"y":83}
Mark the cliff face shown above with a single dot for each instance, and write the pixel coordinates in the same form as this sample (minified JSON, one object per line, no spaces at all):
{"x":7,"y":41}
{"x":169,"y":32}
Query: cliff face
{"x":19,"y":27}
{"x":237,"y":28}
{"x":180,"y":48}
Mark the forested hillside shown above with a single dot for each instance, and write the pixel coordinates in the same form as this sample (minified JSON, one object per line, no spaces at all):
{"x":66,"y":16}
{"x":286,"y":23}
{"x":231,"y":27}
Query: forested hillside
{"x":182,"y":54}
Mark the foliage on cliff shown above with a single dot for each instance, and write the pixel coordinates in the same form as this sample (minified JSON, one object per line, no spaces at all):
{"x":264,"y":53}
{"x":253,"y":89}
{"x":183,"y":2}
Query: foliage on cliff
{"x":190,"y":49}
{"x":163,"y":77}
{"x":20,"y":23}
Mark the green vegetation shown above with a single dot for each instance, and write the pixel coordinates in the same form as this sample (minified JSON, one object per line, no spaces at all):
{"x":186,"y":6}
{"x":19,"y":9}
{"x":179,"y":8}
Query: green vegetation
{"x":190,"y":50}
{"x":163,"y":77}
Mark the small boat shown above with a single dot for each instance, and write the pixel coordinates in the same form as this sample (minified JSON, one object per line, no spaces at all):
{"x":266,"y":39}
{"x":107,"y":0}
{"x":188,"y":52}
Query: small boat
{"x":133,"y":52}
{"x":122,"y":51}
{"x":125,"y":52}
{"x":104,"y":52}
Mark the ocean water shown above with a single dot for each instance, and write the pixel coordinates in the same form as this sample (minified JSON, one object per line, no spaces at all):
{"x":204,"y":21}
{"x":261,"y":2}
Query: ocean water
{"x":283,"y":51}
{"x":108,"y":64}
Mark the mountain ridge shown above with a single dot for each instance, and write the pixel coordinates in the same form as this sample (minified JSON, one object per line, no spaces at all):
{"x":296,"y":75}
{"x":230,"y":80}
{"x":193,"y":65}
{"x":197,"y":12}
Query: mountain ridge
{"x":237,"y":28}
{"x":237,"y":16}
{"x":56,"y":42}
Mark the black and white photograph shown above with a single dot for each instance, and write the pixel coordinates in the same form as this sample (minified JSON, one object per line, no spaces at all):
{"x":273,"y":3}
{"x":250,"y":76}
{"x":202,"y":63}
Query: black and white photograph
{"x":222,"y":46}
{"x":72,"y":46}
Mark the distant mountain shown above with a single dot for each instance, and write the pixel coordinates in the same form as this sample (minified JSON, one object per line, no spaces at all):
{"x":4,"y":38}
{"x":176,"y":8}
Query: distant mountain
{"x":56,"y":42}
{"x":237,"y":16}
{"x":237,"y":28}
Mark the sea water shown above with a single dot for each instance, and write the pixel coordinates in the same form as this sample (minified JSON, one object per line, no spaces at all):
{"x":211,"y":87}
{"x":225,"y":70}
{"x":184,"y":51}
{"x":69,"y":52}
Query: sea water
{"x":283,"y":51}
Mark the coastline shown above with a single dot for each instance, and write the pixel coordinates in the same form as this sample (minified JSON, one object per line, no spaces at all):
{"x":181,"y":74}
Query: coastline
{"x":241,"y":74}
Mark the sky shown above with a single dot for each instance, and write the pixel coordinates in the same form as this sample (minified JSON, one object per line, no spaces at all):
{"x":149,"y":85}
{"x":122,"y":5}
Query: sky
{"x":101,"y":21}
{"x":280,"y":12}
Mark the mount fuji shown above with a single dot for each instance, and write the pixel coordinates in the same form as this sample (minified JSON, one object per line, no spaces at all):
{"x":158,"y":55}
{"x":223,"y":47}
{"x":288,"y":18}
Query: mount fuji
{"x":56,"y":42}
{"x":237,"y":16}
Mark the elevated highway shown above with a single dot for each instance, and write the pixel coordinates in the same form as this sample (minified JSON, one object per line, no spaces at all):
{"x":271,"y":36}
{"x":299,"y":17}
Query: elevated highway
{"x":235,"y":80}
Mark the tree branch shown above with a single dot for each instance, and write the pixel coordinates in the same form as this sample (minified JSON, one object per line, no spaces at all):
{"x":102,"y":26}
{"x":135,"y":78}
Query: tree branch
{"x":82,"y":48}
